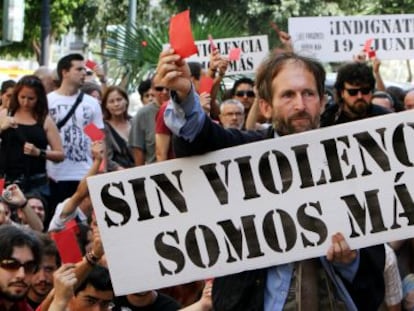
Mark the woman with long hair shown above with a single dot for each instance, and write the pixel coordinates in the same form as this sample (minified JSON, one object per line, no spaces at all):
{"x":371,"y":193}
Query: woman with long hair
{"x":29,"y":137}
{"x":117,"y":127}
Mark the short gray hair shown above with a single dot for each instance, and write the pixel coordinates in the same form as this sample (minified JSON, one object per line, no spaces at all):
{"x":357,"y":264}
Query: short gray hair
{"x":232,"y":101}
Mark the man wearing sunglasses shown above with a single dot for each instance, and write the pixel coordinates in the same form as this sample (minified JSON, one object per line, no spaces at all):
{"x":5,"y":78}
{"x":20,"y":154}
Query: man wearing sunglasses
{"x":20,"y":255}
{"x":243,"y":91}
{"x":355,"y":85}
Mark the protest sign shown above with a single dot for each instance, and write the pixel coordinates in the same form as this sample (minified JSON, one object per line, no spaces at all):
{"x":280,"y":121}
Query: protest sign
{"x":338,"y":38}
{"x":257,"y":205}
{"x":252,"y":51}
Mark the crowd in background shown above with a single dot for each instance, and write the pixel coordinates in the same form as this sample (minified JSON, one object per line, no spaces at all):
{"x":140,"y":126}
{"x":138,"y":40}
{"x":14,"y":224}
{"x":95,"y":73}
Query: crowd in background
{"x":46,"y":156}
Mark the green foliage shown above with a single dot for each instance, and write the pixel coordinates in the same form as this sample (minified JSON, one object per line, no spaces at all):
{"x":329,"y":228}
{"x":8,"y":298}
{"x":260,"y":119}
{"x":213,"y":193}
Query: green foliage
{"x":61,"y":19}
{"x":136,"y":50}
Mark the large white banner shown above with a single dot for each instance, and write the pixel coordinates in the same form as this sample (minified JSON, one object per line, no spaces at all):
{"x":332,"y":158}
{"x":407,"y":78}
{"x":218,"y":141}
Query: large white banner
{"x":338,"y":38}
{"x":257,"y":205}
{"x":253,"y":50}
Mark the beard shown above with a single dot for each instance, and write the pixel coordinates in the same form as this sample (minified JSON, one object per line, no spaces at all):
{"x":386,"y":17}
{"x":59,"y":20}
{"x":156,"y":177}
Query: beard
{"x":42,"y":288}
{"x":297,"y":123}
{"x":14,"y":297}
{"x":359,"y":107}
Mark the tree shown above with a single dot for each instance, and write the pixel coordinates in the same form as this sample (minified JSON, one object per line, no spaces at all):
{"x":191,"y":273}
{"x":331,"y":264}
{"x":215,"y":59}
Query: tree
{"x":61,"y":20}
{"x":137,"y":50}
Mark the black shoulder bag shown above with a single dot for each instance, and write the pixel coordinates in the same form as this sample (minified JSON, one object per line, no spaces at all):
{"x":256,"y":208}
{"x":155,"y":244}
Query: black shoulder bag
{"x":62,"y":122}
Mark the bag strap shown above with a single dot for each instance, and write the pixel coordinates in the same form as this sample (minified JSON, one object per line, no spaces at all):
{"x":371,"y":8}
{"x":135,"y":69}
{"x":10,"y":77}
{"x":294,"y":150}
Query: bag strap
{"x":62,"y":122}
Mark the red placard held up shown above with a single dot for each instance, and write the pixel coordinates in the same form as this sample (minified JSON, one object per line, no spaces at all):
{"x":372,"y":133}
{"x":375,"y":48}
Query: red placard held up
{"x":181,"y":37}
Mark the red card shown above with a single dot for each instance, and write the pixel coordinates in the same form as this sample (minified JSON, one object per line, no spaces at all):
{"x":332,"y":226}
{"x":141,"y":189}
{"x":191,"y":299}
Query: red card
{"x":68,"y":246}
{"x":90,"y":64}
{"x":93,"y":132}
{"x":213,"y":47}
{"x":206,"y":84}
{"x":181,"y":37}
{"x":2,"y":181}
{"x":234,"y":54}
{"x":371,"y":54}
{"x":367,"y":45}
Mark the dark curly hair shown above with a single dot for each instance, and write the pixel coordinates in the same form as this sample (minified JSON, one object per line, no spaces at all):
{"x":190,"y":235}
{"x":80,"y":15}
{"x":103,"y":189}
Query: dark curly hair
{"x":358,"y":74}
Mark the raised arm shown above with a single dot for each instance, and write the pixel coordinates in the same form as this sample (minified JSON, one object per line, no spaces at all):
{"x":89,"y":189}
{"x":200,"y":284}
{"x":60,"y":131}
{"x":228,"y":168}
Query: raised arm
{"x":14,"y":195}
{"x":82,"y":190}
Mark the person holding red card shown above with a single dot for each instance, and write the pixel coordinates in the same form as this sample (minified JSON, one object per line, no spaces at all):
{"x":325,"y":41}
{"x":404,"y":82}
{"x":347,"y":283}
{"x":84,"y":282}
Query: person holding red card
{"x":29,"y":137}
{"x":72,"y":110}
{"x":291,"y":89}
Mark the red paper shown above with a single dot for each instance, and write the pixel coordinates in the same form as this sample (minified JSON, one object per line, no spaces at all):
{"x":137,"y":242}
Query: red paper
{"x":206,"y":84}
{"x":67,"y":244}
{"x":2,"y":181}
{"x":367,"y":45}
{"x":371,"y":54}
{"x":368,"y":49}
{"x":181,"y":37}
{"x":213,"y":47}
{"x":90,"y":64}
{"x":234,"y":54}
{"x":93,"y":132}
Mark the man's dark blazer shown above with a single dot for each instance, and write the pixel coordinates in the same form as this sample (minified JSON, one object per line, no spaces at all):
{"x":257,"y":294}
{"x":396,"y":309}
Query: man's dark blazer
{"x":245,"y":290}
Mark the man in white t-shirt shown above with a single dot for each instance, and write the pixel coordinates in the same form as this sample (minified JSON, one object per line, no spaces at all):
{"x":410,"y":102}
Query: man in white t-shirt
{"x":65,"y":176}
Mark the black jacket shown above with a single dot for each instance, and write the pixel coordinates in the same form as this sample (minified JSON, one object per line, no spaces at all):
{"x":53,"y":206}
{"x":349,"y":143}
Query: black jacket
{"x":245,"y":291}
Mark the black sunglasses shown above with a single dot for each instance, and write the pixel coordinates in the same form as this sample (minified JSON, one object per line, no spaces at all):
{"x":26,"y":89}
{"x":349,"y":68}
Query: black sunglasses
{"x":160,"y":88}
{"x":245,"y":93}
{"x":12,"y":264}
{"x":363,"y":90}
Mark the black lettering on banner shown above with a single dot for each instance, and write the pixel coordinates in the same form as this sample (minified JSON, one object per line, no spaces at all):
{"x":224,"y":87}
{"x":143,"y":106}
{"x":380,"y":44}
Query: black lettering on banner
{"x":334,"y":160}
{"x":175,"y":196}
{"x":374,"y":150}
{"x":302,"y":160}
{"x":234,"y":238}
{"x":289,"y":230}
{"x":312,"y":224}
{"x":359,"y":213}
{"x":400,"y":145}
{"x":334,"y":165}
{"x":138,"y":185}
{"x":246,"y":175}
{"x":283,"y":168}
{"x":374,"y":26}
{"x":249,"y":63}
{"x":115,"y":204}
{"x":193,"y":247}
{"x":403,"y":196}
{"x":169,"y":252}
{"x":259,"y":47}
{"x":219,"y":187}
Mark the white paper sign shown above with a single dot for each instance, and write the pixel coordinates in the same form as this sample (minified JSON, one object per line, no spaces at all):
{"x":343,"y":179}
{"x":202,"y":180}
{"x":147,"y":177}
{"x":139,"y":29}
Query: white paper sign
{"x":253,"y":50}
{"x":338,"y":38}
{"x":257,"y":205}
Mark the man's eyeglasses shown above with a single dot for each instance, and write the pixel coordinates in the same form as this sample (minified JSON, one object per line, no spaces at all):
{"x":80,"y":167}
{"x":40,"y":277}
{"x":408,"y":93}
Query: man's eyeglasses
{"x":12,"y":264}
{"x":160,"y":88}
{"x":245,"y":93}
{"x":363,"y":90}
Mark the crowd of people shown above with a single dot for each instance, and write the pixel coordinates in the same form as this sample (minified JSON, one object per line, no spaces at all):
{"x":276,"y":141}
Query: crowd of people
{"x":46,"y":156}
